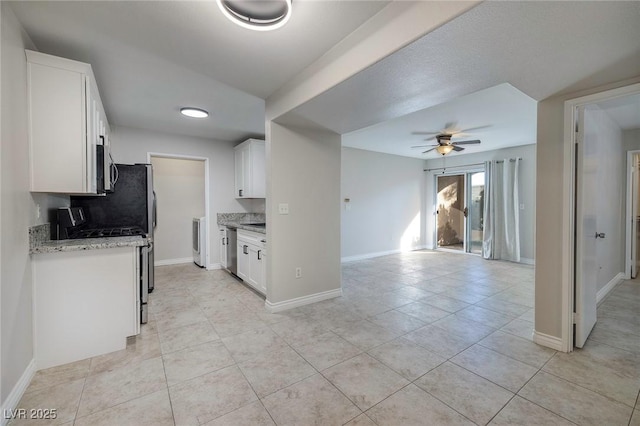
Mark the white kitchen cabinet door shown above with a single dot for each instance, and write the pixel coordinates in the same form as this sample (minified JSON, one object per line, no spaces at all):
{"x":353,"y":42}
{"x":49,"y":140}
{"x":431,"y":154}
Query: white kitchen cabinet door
{"x":64,"y":111}
{"x":251,"y":259}
{"x":239,"y":156}
{"x":243,"y":260}
{"x":250,"y":177}
{"x":224,"y":240}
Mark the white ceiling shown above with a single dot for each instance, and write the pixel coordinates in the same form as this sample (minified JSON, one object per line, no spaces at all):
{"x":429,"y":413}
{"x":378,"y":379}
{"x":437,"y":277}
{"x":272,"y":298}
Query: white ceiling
{"x":152,"y":57}
{"x":625,"y":111}
{"x":540,"y":48}
{"x":506,"y":115}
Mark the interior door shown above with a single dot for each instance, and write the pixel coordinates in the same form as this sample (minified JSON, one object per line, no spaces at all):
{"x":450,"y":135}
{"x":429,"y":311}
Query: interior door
{"x":451,"y":212}
{"x":586,"y":266}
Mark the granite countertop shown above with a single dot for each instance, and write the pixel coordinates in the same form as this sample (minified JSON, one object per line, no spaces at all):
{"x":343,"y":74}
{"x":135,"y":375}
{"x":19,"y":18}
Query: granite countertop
{"x":40,"y":242}
{"x":52,"y":246}
{"x":259,"y":229}
{"x":243,"y":221}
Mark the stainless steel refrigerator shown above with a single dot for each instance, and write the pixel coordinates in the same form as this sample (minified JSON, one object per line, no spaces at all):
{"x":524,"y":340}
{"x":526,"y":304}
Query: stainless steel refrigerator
{"x":132,"y":203}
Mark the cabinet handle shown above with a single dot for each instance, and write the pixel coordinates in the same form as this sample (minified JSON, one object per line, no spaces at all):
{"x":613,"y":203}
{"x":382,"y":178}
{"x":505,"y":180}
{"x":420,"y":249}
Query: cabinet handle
{"x":227,"y":241}
{"x":244,"y":249}
{"x":223,"y":242}
{"x":240,"y":192}
{"x":259,"y":258}
{"x":263,"y":241}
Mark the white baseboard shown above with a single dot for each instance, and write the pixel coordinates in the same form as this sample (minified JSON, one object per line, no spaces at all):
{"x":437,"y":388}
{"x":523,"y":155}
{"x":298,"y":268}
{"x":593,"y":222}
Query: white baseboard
{"x":378,"y":254}
{"x":552,"y":342}
{"x":604,"y":291}
{"x":173,"y":261}
{"x":213,"y":266}
{"x":527,"y":261}
{"x":11,"y":403}
{"x":301,"y":301}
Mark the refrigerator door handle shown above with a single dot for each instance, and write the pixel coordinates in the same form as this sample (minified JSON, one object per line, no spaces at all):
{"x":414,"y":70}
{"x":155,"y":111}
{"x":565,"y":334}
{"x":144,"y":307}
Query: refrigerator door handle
{"x":155,"y":210}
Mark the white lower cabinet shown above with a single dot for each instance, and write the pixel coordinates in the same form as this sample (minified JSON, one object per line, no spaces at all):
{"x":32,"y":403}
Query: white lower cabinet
{"x":86,"y":303}
{"x":251,"y":259}
{"x":224,"y":241}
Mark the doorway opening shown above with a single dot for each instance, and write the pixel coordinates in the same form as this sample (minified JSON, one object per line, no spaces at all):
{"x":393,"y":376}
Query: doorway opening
{"x":595,"y":258}
{"x":460,"y":211}
{"x":181,"y":184}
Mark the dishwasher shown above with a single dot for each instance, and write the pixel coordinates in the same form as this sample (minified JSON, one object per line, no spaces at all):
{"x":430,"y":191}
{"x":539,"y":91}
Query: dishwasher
{"x":232,"y":250}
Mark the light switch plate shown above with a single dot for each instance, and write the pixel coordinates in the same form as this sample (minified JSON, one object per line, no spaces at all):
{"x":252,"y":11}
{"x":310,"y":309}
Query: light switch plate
{"x":283,"y":208}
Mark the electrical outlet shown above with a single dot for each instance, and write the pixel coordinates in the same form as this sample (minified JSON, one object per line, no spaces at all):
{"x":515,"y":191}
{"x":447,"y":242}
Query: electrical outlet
{"x":298,"y":272}
{"x":38,"y":212}
{"x":521,"y":206}
{"x":283,"y":208}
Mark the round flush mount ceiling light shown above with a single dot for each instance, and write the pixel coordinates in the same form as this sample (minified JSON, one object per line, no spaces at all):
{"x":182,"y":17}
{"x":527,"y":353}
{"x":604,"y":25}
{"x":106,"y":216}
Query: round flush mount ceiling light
{"x":194,"y":112}
{"x":258,"y":15}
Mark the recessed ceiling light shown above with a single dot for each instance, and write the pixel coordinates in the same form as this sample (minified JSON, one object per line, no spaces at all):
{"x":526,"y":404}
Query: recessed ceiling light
{"x":258,"y":15}
{"x":194,"y":112}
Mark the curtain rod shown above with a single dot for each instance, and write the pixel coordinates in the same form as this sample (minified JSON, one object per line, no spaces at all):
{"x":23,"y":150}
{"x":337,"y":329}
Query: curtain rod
{"x":467,"y":165}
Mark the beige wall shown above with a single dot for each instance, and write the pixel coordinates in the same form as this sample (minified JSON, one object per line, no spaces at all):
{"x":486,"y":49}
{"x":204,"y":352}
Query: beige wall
{"x":180,"y":190}
{"x":550,"y":202}
{"x":303,"y":171}
{"x":386,"y":208}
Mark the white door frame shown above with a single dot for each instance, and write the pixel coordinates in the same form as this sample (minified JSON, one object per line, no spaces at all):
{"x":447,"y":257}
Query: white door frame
{"x":208,"y":264}
{"x":630,"y":217}
{"x":569,"y":196}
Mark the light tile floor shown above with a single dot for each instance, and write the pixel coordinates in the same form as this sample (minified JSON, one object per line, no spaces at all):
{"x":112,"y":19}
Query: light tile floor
{"x":423,"y":338}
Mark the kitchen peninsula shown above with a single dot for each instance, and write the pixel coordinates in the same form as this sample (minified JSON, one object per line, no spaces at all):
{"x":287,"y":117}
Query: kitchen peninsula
{"x":86,"y":295}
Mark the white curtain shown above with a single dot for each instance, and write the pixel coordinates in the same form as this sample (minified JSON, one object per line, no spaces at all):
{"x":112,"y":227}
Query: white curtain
{"x":501,"y":236}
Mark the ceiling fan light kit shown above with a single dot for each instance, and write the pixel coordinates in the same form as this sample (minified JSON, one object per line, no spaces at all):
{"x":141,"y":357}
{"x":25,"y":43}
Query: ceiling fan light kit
{"x":443,"y":138}
{"x":444,"y":149}
{"x":257,"y":15}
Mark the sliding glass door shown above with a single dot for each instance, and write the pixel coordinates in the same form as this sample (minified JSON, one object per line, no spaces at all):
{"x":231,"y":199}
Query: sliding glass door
{"x":459,"y":211}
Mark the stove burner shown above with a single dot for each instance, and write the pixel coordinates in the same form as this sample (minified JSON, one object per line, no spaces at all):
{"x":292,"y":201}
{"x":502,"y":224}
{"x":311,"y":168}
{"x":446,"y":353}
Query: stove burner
{"x":126,"y":231}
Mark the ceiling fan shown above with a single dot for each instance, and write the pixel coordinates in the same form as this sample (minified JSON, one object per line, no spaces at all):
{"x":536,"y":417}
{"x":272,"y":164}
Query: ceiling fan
{"x":443,"y":137}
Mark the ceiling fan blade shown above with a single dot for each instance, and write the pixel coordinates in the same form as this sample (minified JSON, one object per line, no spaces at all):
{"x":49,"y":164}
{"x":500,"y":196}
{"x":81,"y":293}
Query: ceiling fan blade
{"x":424,"y":152}
{"x":422,"y":146}
{"x":466,"y":142}
{"x":458,"y":148}
{"x":450,"y":127}
{"x":424,"y":133}
{"x":474,"y":128}
{"x":430,"y":139}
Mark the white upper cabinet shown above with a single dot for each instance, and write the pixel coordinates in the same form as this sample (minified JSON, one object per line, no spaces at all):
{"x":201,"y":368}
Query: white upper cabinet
{"x":68,"y":129}
{"x":250,"y":177}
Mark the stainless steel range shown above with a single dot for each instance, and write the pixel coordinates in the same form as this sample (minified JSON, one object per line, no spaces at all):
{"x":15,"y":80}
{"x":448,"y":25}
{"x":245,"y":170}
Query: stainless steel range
{"x":125,"y":231}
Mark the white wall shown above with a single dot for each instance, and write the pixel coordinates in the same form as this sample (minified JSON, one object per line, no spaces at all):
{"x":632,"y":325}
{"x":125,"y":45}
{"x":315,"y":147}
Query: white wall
{"x":386,"y":207}
{"x":304,"y":172}
{"x":180,"y":191}
{"x":131,"y":145}
{"x":18,"y":211}
{"x":605,"y":136}
{"x":527,"y":188}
